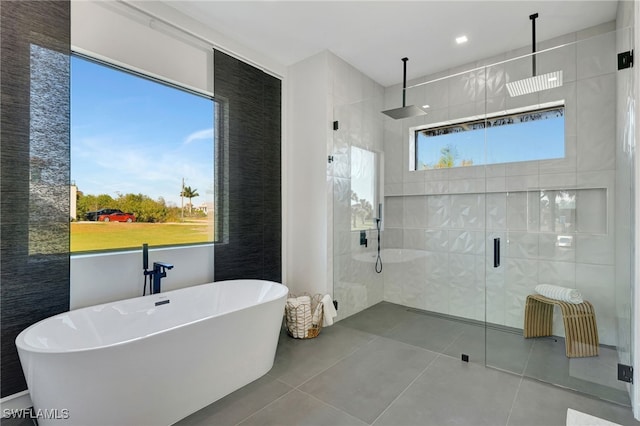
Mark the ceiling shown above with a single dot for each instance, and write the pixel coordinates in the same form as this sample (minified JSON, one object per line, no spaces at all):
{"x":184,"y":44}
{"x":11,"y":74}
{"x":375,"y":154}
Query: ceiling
{"x":374,"y":35}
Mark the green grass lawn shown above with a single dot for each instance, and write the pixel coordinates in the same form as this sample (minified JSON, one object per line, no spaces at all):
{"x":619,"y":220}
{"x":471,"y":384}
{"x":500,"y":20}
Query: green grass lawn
{"x":89,"y":236}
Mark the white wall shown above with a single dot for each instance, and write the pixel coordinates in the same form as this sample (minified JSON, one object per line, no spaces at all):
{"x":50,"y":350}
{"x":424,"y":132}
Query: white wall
{"x":308,"y":115}
{"x":322,"y":255}
{"x":102,"y":278}
{"x":126,"y":37}
{"x":114,"y":32}
{"x":121,"y":35}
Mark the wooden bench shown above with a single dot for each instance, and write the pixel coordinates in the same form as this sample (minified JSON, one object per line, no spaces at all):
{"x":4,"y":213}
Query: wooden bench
{"x":579,"y":319}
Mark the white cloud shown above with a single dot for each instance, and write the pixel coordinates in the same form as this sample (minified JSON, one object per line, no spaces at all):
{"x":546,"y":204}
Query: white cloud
{"x":103,"y":165}
{"x":199,"y":135}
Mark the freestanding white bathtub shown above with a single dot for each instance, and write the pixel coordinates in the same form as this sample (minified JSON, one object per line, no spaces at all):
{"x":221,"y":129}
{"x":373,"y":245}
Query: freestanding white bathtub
{"x":151,"y":360}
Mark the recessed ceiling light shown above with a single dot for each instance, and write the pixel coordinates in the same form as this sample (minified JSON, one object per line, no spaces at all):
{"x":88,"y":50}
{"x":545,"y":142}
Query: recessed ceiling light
{"x":425,"y":106}
{"x":461,"y":39}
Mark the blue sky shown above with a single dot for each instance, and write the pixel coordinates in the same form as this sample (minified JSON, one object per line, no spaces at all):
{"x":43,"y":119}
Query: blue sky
{"x":132,"y":135}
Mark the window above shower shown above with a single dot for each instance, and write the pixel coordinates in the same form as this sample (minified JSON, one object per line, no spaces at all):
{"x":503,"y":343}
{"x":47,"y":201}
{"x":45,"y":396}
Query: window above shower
{"x":524,"y":135}
{"x":365,"y":187}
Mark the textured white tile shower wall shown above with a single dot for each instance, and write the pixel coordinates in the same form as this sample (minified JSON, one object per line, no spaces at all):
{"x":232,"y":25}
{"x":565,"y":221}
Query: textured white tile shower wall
{"x":436,"y":219}
{"x":357,"y":102}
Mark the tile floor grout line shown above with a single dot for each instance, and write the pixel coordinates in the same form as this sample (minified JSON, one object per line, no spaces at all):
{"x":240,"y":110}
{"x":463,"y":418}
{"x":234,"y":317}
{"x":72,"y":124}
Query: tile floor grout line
{"x":526,"y":364}
{"x":332,"y":406}
{"x":513,"y":402}
{"x":407,"y":388}
{"x":339,"y":360}
{"x":452,"y":342}
{"x":272,"y":402}
{"x":296,"y":388}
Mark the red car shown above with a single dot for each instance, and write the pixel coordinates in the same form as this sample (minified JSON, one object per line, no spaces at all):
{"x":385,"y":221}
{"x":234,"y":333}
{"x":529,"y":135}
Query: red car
{"x":117,"y":217}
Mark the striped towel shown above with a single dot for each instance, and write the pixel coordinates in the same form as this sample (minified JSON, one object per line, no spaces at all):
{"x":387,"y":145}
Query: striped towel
{"x":563,"y":294}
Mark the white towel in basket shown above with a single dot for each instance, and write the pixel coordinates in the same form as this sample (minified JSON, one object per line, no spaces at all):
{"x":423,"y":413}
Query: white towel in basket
{"x":329,"y":310}
{"x":563,"y":294}
{"x":299,"y":313}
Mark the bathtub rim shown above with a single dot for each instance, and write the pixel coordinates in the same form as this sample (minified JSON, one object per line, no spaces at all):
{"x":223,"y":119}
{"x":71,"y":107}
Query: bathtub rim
{"x":21,"y":345}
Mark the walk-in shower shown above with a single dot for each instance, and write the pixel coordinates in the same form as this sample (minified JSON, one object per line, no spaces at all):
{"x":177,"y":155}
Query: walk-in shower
{"x":548,"y":174}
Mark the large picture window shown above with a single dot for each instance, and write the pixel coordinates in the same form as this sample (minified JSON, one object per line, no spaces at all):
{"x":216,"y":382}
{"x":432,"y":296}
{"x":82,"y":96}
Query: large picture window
{"x":142,"y":160}
{"x":525,"y":136}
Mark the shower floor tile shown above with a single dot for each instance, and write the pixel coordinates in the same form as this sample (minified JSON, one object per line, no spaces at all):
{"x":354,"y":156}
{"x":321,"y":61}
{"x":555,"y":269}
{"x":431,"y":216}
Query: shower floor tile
{"x":428,"y":332}
{"x":379,"y":319}
{"x":366,"y":382}
{"x":390,"y":365}
{"x":300,"y":409}
{"x":239,"y":405}
{"x":451,"y":392}
{"x":297,"y":360}
{"x":542,"y":404}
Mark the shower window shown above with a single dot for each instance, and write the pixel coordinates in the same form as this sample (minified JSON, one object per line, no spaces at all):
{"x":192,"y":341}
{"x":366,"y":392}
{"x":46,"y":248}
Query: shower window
{"x":524,"y":136}
{"x":138,"y":146}
{"x":364,"y":188}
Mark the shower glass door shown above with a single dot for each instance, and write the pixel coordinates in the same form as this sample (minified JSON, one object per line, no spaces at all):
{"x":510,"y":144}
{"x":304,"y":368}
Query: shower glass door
{"x":559,"y":193}
{"x":434,"y":234}
{"x":355,"y":176}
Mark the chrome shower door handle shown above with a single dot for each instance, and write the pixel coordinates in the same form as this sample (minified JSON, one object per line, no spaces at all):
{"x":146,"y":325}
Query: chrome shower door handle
{"x":496,"y":252}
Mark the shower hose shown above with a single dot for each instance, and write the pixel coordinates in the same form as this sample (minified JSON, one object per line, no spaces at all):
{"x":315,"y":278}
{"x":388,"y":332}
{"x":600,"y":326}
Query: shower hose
{"x":378,"y":259}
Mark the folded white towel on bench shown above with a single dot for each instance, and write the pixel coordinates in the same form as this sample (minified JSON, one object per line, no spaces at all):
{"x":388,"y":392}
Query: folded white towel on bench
{"x":563,"y":294}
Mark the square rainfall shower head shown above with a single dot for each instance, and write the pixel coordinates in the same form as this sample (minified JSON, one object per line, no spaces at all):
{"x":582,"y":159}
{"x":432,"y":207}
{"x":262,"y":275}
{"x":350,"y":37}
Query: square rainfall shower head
{"x":534,"y":84}
{"x":404,"y":112}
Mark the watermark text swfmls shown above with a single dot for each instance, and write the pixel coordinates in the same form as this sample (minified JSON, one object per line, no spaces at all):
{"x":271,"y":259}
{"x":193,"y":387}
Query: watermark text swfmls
{"x":40,"y":413}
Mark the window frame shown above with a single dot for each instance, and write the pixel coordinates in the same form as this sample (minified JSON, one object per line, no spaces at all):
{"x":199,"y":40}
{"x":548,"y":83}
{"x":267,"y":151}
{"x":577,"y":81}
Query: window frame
{"x":218,"y":112}
{"x":482,"y":120}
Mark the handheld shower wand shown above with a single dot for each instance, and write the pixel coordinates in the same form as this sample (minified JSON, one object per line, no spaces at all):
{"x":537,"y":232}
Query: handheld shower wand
{"x":145,"y":267}
{"x":379,"y":228}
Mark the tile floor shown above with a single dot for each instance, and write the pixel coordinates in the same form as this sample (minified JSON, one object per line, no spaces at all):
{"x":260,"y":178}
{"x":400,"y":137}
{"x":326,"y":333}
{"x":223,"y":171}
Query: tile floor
{"x":390,"y":365}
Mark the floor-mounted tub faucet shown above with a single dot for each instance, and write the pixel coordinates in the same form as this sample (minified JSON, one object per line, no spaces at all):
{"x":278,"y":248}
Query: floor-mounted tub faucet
{"x":158,"y":272}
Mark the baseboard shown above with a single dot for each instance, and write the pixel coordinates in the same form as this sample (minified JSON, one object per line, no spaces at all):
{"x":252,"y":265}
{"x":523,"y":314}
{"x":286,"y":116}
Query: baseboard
{"x":15,"y":402}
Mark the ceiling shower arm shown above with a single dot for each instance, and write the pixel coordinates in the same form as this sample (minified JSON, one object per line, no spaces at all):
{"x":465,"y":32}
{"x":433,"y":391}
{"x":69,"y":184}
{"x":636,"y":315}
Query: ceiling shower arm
{"x":533,"y":44}
{"x":404,"y":81}
{"x":404,"y":111}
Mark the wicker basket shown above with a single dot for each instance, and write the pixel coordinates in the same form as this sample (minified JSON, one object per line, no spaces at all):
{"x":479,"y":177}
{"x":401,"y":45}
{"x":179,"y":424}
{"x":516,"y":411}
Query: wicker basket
{"x":303,"y":316}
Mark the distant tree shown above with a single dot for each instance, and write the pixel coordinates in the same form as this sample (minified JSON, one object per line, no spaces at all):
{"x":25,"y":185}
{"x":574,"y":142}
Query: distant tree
{"x":466,"y":163}
{"x":189,"y":193}
{"x":362,"y":209}
{"x":89,"y":203}
{"x":145,"y":208}
{"x":448,"y":155}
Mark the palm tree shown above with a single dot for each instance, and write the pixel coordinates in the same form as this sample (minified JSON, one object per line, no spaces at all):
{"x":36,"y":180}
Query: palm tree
{"x":189,"y":193}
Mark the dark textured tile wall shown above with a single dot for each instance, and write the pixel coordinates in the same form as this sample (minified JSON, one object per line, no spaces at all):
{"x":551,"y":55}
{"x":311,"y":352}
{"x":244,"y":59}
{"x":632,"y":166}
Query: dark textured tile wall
{"x":34,"y":254}
{"x":252,"y":246}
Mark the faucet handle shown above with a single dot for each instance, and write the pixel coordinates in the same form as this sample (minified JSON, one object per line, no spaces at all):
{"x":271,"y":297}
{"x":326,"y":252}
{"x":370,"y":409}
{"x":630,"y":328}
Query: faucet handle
{"x":162,"y":264}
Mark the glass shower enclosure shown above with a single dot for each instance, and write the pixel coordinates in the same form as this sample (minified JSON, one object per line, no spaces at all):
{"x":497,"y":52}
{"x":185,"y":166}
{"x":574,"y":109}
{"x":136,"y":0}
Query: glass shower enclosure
{"x":520,"y":174}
